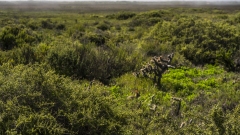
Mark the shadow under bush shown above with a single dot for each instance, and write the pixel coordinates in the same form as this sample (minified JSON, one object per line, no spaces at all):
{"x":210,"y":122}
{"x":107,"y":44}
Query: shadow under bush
{"x":91,"y":62}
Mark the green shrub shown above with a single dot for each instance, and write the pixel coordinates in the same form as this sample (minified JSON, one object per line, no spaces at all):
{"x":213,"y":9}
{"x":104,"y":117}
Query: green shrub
{"x":155,"y":13}
{"x":33,"y":24}
{"x":206,"y":45}
{"x":218,"y":119}
{"x":48,"y":24}
{"x":103,"y":26}
{"x":125,"y":15}
{"x":56,"y":96}
{"x":149,"y":18}
{"x":232,"y":123}
{"x":99,"y":38}
{"x":60,"y":27}
{"x":15,"y":36}
{"x":236,"y":19}
{"x":22,"y":55}
{"x":121,"y":15}
{"x":87,"y":61}
{"x":38,"y":124}
{"x":199,"y":41}
{"x":145,"y":21}
{"x":34,"y":100}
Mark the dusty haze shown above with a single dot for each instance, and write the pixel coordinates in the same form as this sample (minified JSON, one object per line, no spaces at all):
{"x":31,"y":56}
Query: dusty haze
{"x":91,"y":6}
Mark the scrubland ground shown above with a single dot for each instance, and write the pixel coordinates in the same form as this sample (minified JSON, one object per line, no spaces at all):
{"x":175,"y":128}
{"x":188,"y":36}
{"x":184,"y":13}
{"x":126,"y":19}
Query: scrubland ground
{"x":72,"y":72}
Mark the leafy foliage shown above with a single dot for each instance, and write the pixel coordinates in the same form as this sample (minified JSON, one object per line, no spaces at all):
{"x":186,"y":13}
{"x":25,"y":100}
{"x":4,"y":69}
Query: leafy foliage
{"x":71,"y":73}
{"x":50,"y":104}
{"x":121,"y":15}
{"x":16,"y":35}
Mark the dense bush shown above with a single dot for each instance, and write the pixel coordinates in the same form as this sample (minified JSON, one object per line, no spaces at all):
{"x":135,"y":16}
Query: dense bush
{"x":86,"y":61}
{"x":150,"y":18}
{"x":34,"y":100}
{"x":121,"y":15}
{"x":74,"y":73}
{"x":16,"y":35}
{"x":33,"y":24}
{"x":201,"y":42}
{"x":48,"y":24}
{"x":216,"y":44}
{"x":104,"y":26}
{"x":98,"y":37}
{"x":156,"y":13}
{"x":145,"y":21}
{"x":22,"y":55}
{"x":236,"y":19}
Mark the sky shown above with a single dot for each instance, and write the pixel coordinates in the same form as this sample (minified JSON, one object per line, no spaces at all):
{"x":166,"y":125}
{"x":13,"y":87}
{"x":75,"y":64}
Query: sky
{"x":121,"y":0}
{"x":134,"y":0}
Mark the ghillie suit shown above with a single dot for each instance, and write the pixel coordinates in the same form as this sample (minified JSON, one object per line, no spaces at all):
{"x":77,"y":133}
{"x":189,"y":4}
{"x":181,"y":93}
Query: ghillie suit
{"x":156,"y":67}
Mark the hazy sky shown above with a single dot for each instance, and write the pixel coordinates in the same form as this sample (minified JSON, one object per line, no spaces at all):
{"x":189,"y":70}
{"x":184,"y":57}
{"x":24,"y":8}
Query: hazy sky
{"x":121,"y":0}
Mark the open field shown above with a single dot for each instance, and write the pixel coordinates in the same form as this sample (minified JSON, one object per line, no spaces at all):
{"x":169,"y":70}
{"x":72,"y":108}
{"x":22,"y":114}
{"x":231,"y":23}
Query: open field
{"x":112,"y":6}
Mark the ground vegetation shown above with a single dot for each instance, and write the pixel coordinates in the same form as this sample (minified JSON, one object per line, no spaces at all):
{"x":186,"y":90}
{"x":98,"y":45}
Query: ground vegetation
{"x":67,"y":72}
